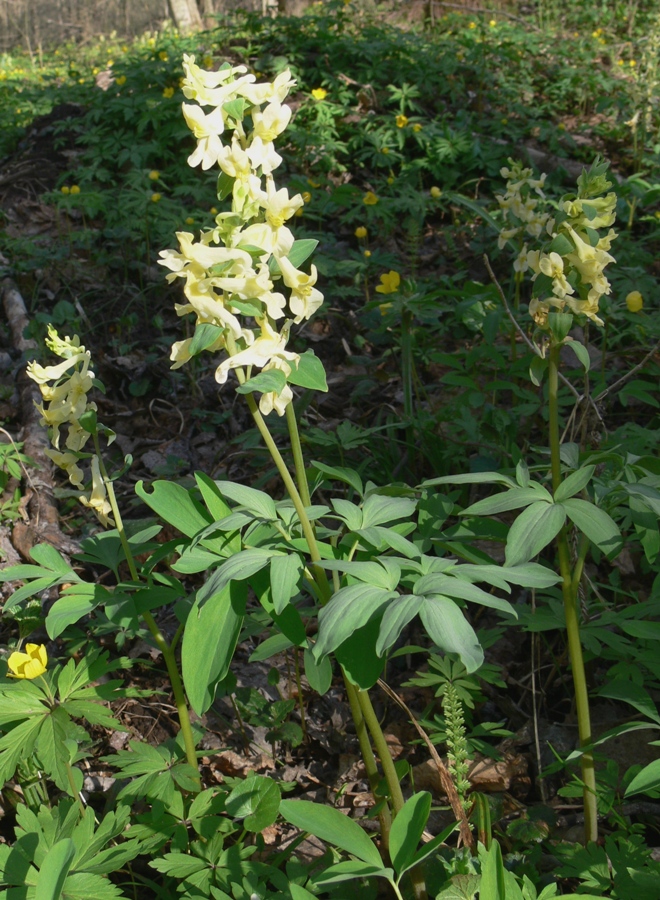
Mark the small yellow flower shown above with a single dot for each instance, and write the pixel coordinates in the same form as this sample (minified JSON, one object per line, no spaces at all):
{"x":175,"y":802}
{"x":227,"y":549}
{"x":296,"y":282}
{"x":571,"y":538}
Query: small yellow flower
{"x":163,"y":55}
{"x":634,"y":301}
{"x":389,"y":282}
{"x":65,"y":189}
{"x":472,"y":25}
{"x":370,"y":199}
{"x":30,"y":664}
{"x":360,"y":232}
{"x":319,"y":93}
{"x":367,"y":253}
{"x":155,"y":197}
{"x":435,"y":192}
{"x":121,"y":79}
{"x":401,"y":121}
{"x":81,"y":81}
{"x":417,"y":126}
{"x":390,"y":179}
{"x":385,"y":150}
{"x":493,"y":23}
{"x":111,"y":62}
{"x":95,"y":71}
{"x":207,"y":62}
{"x":306,"y":196}
{"x":154,"y":175}
{"x":619,"y":62}
{"x":168,"y":92}
{"x":213,"y":211}
{"x":561,"y":127}
{"x":504,"y":121}
{"x":299,"y":212}
{"x":190,"y":221}
{"x":632,"y":63}
{"x":74,"y":189}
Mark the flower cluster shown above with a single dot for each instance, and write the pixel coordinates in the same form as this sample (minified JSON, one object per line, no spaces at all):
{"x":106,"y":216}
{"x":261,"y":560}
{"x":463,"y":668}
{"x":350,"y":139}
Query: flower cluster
{"x":231,"y":272}
{"x":569,"y":274}
{"x":523,"y":212}
{"x":64,"y":388}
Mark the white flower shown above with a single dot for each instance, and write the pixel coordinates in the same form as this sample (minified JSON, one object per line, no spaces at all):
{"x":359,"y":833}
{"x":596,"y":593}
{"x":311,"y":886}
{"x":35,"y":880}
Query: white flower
{"x":207,"y":129}
{"x":212,"y":88}
{"x":268,"y":346}
{"x":98,"y":499}
{"x":270,"y":123}
{"x":305,"y":298}
{"x":552,"y":265}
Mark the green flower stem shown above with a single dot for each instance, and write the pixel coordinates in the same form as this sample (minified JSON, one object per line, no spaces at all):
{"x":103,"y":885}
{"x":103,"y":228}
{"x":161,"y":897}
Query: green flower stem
{"x":407,"y":366}
{"x":299,"y":462}
{"x":570,"y":582}
{"x":150,"y":622}
{"x":325,"y":591}
{"x":75,"y":793}
{"x":371,"y":768}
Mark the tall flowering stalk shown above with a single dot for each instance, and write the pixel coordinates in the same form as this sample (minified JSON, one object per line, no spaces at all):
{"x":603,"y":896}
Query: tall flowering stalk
{"x":243,"y":284}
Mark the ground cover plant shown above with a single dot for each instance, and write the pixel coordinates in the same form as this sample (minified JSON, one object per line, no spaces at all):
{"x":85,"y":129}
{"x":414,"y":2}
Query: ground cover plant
{"x":368,"y":485}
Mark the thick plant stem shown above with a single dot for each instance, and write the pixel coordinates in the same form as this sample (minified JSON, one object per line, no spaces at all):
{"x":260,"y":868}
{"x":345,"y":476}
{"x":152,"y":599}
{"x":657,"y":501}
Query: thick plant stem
{"x":298,"y":460}
{"x":570,"y":582}
{"x":167,"y":651}
{"x":384,"y":816}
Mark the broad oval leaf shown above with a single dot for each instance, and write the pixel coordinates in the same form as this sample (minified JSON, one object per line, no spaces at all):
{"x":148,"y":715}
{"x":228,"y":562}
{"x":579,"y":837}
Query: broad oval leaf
{"x":309,"y":373}
{"x":595,"y":523}
{"x":173,"y":503}
{"x":331,"y":826}
{"x":209,"y":642}
{"x":349,"y":609}
{"x":54,"y":870}
{"x":533,"y":530}
{"x":438,"y":583}
{"x":407,"y":829}
{"x":318,"y":674}
{"x":646,"y":780}
{"x":256,"y":502}
{"x":397,"y":615}
{"x":514,"y":498}
{"x":255,"y":800}
{"x":448,"y":628}
{"x":574,"y":483}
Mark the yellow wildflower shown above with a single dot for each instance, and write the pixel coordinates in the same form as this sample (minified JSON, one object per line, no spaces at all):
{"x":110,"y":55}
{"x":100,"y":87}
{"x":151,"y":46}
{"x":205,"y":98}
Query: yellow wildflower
{"x":306,"y":196}
{"x":401,"y":121}
{"x":632,"y":63}
{"x":121,"y":79}
{"x":74,"y":189}
{"x":360,"y":232}
{"x":65,"y":189}
{"x":154,"y":175}
{"x":168,"y":92}
{"x":634,"y":301}
{"x":472,"y":25}
{"x":163,"y":55}
{"x":30,"y":664}
{"x":190,"y":221}
{"x":319,"y":93}
{"x":367,"y":253}
{"x":390,"y":282}
{"x":370,"y":199}
{"x":155,"y":197}
{"x":435,"y":192}
{"x":417,"y":126}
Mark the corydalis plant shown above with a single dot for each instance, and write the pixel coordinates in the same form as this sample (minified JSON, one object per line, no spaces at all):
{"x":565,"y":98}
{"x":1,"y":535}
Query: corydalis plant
{"x":231,"y":272}
{"x":64,"y":388}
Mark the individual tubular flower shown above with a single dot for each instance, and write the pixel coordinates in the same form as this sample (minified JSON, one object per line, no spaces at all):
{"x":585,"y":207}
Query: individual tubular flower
{"x":304,"y":299}
{"x":29,"y":664}
{"x":267,"y":347}
{"x":98,"y":499}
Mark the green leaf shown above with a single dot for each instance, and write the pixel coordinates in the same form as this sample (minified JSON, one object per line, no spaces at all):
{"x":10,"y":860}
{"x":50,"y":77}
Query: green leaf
{"x":301,"y":250}
{"x":379,"y":509}
{"x":348,"y":512}
{"x":368,"y":571}
{"x":265,"y":382}
{"x":309,"y":373}
{"x":255,"y":800}
{"x":407,"y":829}
{"x":514,"y":498}
{"x":595,"y":523}
{"x":54,"y":870}
{"x":48,"y":556}
{"x":631,"y":693}
{"x":559,"y":324}
{"x":527,"y":575}
{"x":358,"y":658}
{"x":209,"y":641}
{"x":533,"y":530}
{"x":574,"y":483}
{"x":205,"y":335}
{"x":236,"y":108}
{"x":17,"y":744}
{"x":257,"y":502}
{"x":450,"y":631}
{"x":537,"y":369}
{"x":285,"y":575}
{"x":473,"y":478}
{"x":237,"y":568}
{"x":89,"y":886}
{"x":349,"y":609}
{"x":225,"y":185}
{"x":74,"y":603}
{"x":397,"y":615}
{"x":300,"y":893}
{"x":646,"y":780}
{"x":318,"y":674}
{"x":350,"y":869}
{"x":561,"y":245}
{"x":492,"y":873}
{"x":276,"y":643}
{"x":173,"y":503}
{"x":331,"y":826}
{"x":339,"y":473}
{"x":439,"y":583}
{"x":581,"y":352}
